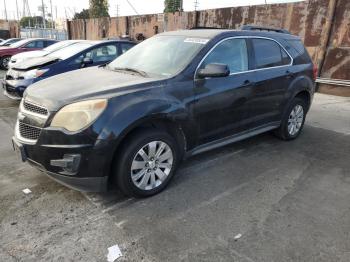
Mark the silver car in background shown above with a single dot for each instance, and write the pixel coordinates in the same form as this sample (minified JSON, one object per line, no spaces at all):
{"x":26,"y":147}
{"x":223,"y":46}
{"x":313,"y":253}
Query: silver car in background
{"x":38,"y":53}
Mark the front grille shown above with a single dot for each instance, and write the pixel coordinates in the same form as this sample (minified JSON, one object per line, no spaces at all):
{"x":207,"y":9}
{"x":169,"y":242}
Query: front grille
{"x":35,"y":108}
{"x":28,"y":131}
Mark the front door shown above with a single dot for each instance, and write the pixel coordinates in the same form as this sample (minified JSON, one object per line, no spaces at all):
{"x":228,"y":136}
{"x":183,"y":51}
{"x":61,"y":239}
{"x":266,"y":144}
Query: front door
{"x":220,"y":108}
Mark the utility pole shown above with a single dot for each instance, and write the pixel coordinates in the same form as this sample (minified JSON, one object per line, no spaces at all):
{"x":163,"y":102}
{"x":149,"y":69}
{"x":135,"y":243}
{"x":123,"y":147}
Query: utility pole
{"x":5,"y":10}
{"x":52,"y":23}
{"x":196,"y":5}
{"x":117,"y":10}
{"x":43,"y":9}
{"x":17,"y":10}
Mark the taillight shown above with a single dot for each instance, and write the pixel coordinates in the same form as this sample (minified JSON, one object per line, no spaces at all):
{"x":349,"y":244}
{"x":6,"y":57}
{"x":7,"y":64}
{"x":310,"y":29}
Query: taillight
{"x":315,"y":72}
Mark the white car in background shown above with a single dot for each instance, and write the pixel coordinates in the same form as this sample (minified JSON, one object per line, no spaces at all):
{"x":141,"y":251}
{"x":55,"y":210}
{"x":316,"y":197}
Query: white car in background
{"x":38,"y":53}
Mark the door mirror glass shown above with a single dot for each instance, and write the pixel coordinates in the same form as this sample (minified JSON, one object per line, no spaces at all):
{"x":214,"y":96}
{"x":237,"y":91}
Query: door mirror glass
{"x":214,"y":70}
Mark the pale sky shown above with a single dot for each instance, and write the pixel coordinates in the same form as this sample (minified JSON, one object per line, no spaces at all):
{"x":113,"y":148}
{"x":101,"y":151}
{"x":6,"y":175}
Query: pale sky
{"x":69,"y":7}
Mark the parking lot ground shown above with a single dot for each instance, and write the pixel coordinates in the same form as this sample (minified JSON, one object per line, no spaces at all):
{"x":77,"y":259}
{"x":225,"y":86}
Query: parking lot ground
{"x":289,"y":200}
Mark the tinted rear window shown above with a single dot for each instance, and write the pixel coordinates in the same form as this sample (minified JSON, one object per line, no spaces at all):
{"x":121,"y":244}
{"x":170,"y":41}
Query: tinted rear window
{"x":298,"y":51}
{"x":269,"y":54}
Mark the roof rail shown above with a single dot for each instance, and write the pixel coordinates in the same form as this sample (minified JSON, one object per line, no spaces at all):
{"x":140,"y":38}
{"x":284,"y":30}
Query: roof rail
{"x":264,"y":28}
{"x":204,"y":27}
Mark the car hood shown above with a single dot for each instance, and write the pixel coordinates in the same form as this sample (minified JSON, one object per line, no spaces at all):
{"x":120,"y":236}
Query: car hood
{"x":35,"y":62}
{"x":29,"y":54}
{"x":89,"y":83}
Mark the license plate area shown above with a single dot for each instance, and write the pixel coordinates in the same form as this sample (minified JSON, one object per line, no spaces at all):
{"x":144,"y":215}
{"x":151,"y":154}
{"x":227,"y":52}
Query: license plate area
{"x":19,"y":150}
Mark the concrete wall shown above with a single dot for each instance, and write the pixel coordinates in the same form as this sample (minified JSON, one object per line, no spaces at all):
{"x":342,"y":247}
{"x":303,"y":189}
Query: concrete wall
{"x":323,"y":26}
{"x":12,"y":26}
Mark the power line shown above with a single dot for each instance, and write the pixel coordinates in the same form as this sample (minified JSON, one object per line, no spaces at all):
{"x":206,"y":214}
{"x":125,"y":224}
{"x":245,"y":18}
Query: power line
{"x":133,"y":8}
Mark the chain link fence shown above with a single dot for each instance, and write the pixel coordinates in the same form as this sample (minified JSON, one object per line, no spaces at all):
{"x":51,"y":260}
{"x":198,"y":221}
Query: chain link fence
{"x":44,"y":33}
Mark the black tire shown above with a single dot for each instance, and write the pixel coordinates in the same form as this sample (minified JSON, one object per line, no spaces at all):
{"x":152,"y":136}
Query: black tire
{"x":122,"y":163}
{"x":282,"y":132}
{"x":3,"y":63}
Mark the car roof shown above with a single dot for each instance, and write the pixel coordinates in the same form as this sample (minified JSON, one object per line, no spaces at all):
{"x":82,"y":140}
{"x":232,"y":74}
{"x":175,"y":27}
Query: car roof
{"x":212,"y":33}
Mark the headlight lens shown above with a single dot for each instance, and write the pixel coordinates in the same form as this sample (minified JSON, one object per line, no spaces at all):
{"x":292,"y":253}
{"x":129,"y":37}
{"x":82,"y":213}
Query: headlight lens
{"x":34,"y":73}
{"x":79,"y":115}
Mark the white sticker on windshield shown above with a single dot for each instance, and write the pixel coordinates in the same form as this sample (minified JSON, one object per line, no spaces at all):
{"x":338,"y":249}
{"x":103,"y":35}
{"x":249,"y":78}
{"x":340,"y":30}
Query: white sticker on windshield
{"x":196,"y":40}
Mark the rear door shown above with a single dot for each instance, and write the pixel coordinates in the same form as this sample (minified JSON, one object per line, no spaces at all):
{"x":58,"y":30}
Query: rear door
{"x":273,"y":73}
{"x":220,"y":108}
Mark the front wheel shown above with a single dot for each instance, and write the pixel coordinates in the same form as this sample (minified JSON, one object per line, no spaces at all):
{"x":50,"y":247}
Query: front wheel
{"x":293,"y":120}
{"x":4,"y":62}
{"x":146,"y":163}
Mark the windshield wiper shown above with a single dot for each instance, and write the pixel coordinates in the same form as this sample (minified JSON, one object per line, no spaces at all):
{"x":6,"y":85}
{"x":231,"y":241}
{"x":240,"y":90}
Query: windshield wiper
{"x":140,"y":72}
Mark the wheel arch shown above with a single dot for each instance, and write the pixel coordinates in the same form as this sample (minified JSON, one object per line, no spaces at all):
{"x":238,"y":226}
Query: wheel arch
{"x":160,"y":121}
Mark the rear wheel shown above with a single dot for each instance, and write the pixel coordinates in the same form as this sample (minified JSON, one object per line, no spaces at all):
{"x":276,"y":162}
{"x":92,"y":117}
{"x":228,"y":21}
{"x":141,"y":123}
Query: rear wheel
{"x":4,"y":62}
{"x":146,"y":163}
{"x":293,"y":121}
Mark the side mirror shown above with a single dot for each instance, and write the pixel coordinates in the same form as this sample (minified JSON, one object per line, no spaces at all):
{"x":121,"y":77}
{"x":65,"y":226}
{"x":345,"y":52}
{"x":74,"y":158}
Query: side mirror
{"x":87,"y":61}
{"x":214,"y":70}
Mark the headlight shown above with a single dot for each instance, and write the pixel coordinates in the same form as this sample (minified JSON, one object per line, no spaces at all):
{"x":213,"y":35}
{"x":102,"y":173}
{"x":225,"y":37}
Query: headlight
{"x":34,"y":73}
{"x":79,"y":115}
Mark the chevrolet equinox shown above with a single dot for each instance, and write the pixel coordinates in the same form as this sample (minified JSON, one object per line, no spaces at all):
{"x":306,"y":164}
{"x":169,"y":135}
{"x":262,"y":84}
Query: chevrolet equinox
{"x":177,"y":94}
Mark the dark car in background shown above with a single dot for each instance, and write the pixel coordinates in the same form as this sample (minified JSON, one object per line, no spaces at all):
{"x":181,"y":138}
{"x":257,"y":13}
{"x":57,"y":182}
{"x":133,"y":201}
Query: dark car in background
{"x":172,"y":96}
{"x":24,"y":45}
{"x":10,"y":41}
{"x":80,"y":55}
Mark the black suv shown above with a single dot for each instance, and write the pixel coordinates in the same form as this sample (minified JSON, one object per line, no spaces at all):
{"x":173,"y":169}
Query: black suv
{"x":174,"y":95}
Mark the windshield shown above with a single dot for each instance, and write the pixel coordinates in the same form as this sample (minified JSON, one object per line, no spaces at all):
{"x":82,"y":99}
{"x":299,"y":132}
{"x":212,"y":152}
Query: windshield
{"x":160,"y":55}
{"x":57,"y":46}
{"x":19,"y":43}
{"x":70,"y":50}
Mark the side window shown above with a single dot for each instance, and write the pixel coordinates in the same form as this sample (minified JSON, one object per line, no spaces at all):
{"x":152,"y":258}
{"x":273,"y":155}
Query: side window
{"x":30,"y":45}
{"x":35,"y":44}
{"x":269,"y":54}
{"x":125,"y":47}
{"x":104,"y":53}
{"x":48,"y":43}
{"x":232,"y":52}
{"x":100,"y":54}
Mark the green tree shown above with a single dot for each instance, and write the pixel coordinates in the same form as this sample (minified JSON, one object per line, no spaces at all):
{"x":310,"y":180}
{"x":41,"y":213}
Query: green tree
{"x":84,"y":14}
{"x":171,"y":6}
{"x":98,"y":8}
{"x":34,"y":21}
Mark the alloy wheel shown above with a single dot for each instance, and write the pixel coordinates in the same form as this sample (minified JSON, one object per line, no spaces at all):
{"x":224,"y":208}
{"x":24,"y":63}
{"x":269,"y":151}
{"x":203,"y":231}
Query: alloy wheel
{"x":5,"y":62}
{"x":295,"y":120}
{"x":152,"y":165}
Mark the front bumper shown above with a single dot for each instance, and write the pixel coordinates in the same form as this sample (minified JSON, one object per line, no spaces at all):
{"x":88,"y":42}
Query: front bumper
{"x":14,"y":88}
{"x":90,"y":174}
